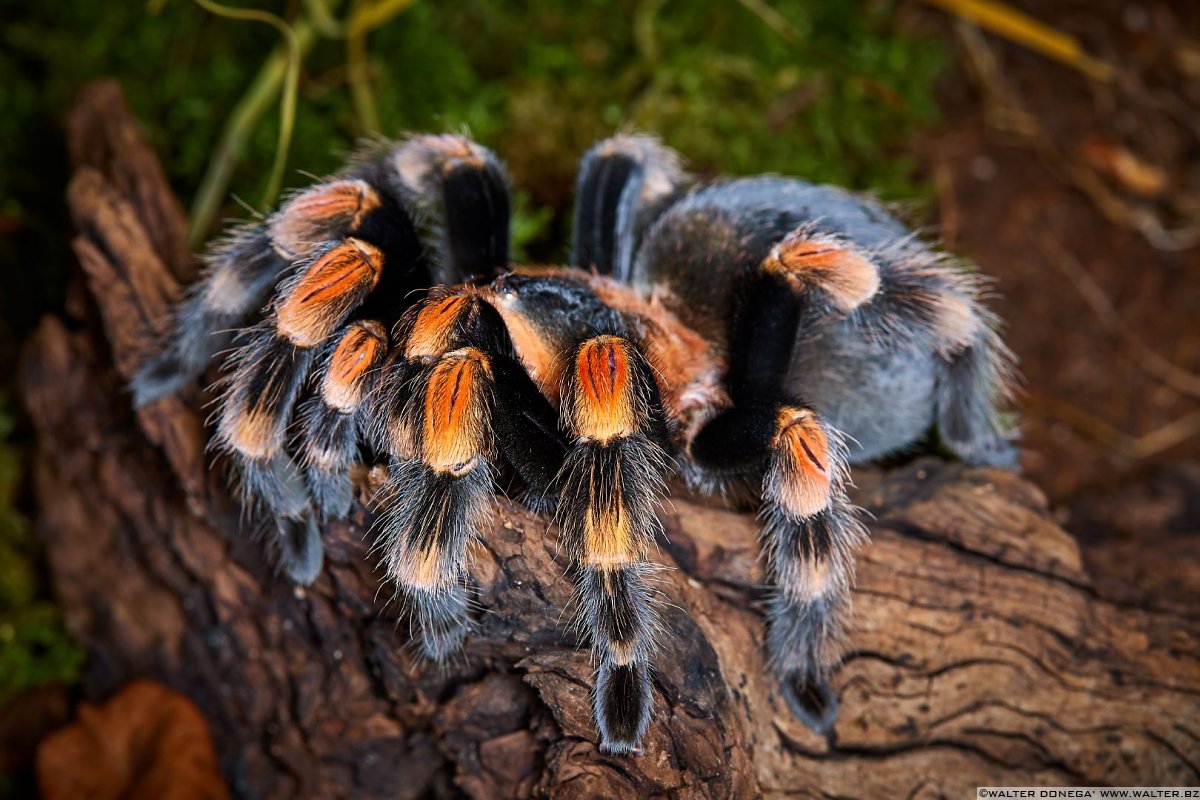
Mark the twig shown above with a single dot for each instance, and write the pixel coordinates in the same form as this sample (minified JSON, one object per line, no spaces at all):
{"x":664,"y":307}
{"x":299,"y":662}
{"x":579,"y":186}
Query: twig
{"x":1136,"y":448}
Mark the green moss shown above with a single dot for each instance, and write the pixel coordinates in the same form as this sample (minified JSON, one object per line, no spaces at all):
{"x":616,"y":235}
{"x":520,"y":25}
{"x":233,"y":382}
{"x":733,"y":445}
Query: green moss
{"x":36,"y":648}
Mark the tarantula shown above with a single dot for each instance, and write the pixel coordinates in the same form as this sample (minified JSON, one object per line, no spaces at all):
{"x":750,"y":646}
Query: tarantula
{"x":762,"y":332}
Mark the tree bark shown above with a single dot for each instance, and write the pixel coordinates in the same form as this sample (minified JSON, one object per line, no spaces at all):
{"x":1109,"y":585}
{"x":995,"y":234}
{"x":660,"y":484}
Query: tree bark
{"x":980,"y":652}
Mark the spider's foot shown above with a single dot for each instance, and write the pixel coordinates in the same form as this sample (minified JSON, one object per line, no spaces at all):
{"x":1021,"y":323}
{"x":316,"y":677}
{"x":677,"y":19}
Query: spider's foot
{"x":440,"y":621}
{"x":332,"y":492}
{"x":811,"y":699}
{"x":301,"y":553}
{"x":538,"y":503}
{"x":158,"y":376}
{"x":622,"y":706}
{"x":278,"y":484}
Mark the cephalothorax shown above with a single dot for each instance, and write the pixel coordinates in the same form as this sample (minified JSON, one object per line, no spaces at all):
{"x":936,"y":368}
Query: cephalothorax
{"x":761,"y":332}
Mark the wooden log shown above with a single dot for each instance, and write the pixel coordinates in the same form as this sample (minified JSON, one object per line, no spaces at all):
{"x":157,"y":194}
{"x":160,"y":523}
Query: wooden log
{"x":980,"y":652}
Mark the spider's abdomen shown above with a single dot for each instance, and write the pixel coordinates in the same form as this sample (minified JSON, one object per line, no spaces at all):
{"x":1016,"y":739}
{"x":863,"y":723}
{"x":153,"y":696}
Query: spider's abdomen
{"x":871,"y":367}
{"x":881,"y":398}
{"x":703,"y":243}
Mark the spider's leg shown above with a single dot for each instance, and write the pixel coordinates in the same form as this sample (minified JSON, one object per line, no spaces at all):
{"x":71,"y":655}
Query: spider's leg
{"x":460,"y":191}
{"x":329,"y":416}
{"x":612,"y":484}
{"x":624,"y":183}
{"x":973,"y":387}
{"x":810,"y":532}
{"x":810,"y":528}
{"x":451,"y":404}
{"x":265,"y":378}
{"x":932,"y":304}
{"x":457,"y":191}
{"x":341,"y":235}
{"x":438,"y":492}
{"x":239,"y":272}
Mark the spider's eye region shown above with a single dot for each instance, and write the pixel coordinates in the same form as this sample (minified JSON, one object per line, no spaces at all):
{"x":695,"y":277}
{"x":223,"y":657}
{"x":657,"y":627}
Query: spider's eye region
{"x":506,"y":288}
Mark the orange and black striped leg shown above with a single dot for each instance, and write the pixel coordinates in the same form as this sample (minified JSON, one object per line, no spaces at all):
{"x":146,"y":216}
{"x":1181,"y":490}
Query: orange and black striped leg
{"x":451,"y":403}
{"x":437,"y":493}
{"x":329,"y":417}
{"x":430,"y":416}
{"x":612,"y":484}
{"x":238,"y":274}
{"x":811,"y":532}
{"x":810,"y":529}
{"x":267,"y":374}
{"x":624,"y":183}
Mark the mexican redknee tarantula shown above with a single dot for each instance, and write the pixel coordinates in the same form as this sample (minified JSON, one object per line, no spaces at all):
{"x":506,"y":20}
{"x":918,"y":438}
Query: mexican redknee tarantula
{"x":761,"y":331}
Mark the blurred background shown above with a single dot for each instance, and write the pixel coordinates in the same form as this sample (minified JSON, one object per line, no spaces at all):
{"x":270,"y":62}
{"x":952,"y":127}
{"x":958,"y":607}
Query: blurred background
{"x":1056,"y":144}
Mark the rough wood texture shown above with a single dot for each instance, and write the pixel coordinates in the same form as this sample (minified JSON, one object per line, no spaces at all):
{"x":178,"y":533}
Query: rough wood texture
{"x":980,"y":652}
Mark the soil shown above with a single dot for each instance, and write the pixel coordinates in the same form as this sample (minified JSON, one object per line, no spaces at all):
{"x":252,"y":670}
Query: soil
{"x":1112,"y":443}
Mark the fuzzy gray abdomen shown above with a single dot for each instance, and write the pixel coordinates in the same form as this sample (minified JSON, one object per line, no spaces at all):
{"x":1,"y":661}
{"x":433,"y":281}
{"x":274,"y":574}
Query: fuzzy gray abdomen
{"x":702,"y":245}
{"x":880,"y":397}
{"x":880,"y":394}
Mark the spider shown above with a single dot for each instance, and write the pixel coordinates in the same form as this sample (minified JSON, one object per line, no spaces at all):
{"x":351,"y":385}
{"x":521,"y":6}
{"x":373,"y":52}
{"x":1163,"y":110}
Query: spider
{"x":754,"y":334}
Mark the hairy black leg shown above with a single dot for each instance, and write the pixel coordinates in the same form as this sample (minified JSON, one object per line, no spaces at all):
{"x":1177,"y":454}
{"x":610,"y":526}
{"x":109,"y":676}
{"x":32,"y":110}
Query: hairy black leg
{"x":461,"y":190}
{"x":810,"y":529}
{"x":438,"y":492}
{"x":623,"y":184}
{"x":239,"y":272}
{"x":612,"y":484}
{"x":810,"y":534}
{"x":450,"y":408}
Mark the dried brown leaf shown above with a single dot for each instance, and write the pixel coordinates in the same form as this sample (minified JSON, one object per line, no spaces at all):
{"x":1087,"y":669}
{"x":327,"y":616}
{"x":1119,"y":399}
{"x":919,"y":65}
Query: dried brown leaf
{"x":146,"y":743}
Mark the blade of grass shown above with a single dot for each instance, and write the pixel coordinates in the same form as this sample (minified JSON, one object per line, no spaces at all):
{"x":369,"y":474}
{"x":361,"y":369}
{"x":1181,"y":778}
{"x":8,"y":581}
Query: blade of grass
{"x":365,"y":18}
{"x":323,"y":19}
{"x":1006,"y":21}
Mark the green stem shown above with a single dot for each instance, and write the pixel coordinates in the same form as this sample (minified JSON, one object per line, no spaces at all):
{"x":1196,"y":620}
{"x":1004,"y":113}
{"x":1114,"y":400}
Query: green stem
{"x":282,"y":68}
{"x":365,"y":18}
{"x":323,"y":19}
